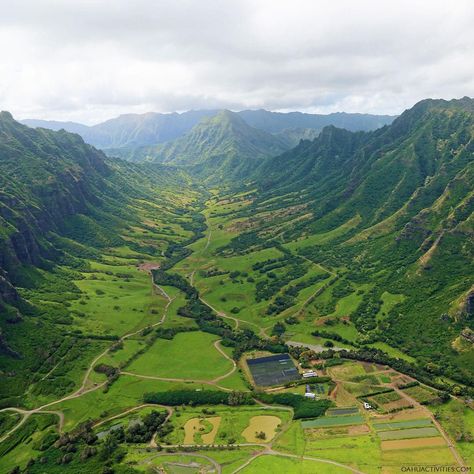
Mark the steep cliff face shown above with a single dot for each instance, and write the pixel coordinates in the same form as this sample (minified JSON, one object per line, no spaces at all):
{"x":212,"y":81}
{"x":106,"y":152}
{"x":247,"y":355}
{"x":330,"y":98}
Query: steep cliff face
{"x":45,"y":177}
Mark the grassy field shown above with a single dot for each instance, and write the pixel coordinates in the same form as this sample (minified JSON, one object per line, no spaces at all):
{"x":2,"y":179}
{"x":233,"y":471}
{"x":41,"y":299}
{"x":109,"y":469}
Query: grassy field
{"x":362,"y":452}
{"x":190,"y":355}
{"x":26,"y":442}
{"x":125,"y":393}
{"x":339,"y":420}
{"x":458,"y":420}
{"x":290,"y":466}
{"x":115,"y":299}
{"x":229,"y":460}
{"x":421,"y":394}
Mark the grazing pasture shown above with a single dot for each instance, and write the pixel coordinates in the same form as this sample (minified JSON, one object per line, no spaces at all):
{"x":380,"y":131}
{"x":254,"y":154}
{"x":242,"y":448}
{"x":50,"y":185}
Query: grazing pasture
{"x":189,"y":355}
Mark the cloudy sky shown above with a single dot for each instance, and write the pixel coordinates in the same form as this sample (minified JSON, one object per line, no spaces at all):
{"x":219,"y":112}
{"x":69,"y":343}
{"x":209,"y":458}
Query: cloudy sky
{"x":89,"y":60}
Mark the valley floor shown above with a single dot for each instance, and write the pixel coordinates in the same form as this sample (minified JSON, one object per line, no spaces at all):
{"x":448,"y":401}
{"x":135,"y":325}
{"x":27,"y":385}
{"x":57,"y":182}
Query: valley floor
{"x":153,"y":348}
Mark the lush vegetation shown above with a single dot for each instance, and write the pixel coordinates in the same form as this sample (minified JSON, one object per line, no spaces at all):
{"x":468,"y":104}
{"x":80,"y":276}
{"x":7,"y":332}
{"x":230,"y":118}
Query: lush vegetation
{"x":127,"y":286}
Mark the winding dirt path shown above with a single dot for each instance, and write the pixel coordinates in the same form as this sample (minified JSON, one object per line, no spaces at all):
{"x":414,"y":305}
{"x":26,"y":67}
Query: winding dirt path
{"x":272,"y":452}
{"x":82,"y":390}
{"x":168,"y":379}
{"x":234,"y":365}
{"x":216,"y":465}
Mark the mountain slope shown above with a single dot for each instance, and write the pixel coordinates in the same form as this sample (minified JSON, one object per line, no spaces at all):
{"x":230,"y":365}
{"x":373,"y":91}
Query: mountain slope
{"x":63,"y":204}
{"x":221,"y":147}
{"x":130,"y":130}
{"x":393,"y":209}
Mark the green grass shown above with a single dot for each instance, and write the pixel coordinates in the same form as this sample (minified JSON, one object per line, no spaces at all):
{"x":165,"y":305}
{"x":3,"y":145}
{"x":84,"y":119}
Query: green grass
{"x":292,"y":440}
{"x":126,"y":392}
{"x":228,"y":459}
{"x":25,"y":441}
{"x":271,"y":463}
{"x":408,"y":433}
{"x":392,"y":351}
{"x":318,"y":239}
{"x":189,"y":355}
{"x":389,"y":301}
{"x":438,"y":455}
{"x":421,"y":394}
{"x":396,"y":425}
{"x":458,"y":420}
{"x":113,"y":305}
{"x":333,"y":421}
{"x":362,"y":452}
{"x":233,"y":422}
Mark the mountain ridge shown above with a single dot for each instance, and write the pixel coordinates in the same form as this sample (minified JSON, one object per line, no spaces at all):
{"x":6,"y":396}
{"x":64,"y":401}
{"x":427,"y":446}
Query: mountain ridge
{"x":151,"y":128}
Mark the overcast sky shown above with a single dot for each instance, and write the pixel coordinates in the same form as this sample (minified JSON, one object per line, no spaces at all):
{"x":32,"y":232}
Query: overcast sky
{"x":89,"y":60}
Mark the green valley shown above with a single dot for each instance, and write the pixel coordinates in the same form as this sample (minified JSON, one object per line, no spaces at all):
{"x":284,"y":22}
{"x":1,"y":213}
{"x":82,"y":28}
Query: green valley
{"x":133,"y":295}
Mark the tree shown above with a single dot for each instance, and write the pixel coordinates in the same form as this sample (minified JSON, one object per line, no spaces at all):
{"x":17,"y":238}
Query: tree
{"x":278,"y":329}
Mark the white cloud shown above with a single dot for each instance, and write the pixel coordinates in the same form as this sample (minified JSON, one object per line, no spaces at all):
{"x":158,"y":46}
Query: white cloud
{"x":88,"y":60}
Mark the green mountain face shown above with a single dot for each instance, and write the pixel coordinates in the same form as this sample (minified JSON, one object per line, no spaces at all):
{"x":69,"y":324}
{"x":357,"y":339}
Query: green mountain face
{"x":62,"y":202}
{"x":395,"y":207}
{"x":222,"y":147}
{"x":133,"y":295}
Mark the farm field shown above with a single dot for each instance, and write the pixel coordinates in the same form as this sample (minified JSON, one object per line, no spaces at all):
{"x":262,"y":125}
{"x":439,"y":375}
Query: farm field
{"x":333,"y":421}
{"x":408,"y":433}
{"x":396,"y":425}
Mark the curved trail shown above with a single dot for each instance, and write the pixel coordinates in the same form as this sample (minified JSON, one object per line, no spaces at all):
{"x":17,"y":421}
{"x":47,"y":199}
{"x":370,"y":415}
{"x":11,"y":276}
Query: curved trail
{"x":272,"y":452}
{"x":216,"y":465}
{"x":169,"y":379}
{"x":234,"y":365}
{"x":82,"y":389}
{"x":130,"y":410}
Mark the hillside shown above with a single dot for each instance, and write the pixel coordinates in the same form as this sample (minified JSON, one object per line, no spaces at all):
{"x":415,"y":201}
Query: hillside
{"x":62,"y":204}
{"x":130,"y":130}
{"x":394,"y":208}
{"x":221,"y":147}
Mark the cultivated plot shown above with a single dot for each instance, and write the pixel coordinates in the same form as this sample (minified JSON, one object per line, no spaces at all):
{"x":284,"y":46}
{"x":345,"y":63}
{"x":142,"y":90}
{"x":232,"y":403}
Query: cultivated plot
{"x":273,"y":370}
